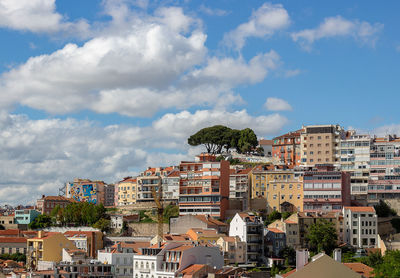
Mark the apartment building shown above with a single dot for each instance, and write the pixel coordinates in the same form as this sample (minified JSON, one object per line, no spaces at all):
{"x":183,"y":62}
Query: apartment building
{"x":204,"y":186}
{"x":281,"y":186}
{"x":46,"y":249}
{"x":149,"y":179}
{"x":321,"y":144}
{"x":25,"y":216}
{"x":85,"y":190}
{"x":355,"y":159}
{"x":7,"y":220}
{"x":109,"y":195}
{"x":47,"y":203}
{"x":290,"y":227}
{"x":127,"y":190}
{"x":88,"y":241}
{"x":326,"y":189}
{"x":250,"y":229}
{"x":170,"y":185}
{"x":12,"y":245}
{"x":181,"y":224}
{"x":286,"y":149}
{"x":360,"y":226}
{"x":233,"y":249}
{"x":275,"y":242}
{"x":239,"y":184}
{"x":267,"y":146}
{"x":384,"y":182}
{"x":172,"y":258}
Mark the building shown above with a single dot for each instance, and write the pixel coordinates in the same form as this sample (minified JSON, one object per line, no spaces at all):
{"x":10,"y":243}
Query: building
{"x":25,"y":216}
{"x":281,"y":186}
{"x":360,"y":225}
{"x":204,"y":236}
{"x":250,"y":229}
{"x":12,"y":245}
{"x":286,"y":149}
{"x":183,"y":223}
{"x":267,"y":146}
{"x":109,"y":197}
{"x":47,"y":203}
{"x":233,"y":249}
{"x":88,"y":241}
{"x":321,"y":144}
{"x":151,"y":179}
{"x":127,"y":190}
{"x":326,"y":189}
{"x":384,"y":182}
{"x":85,"y":190}
{"x":7,"y":220}
{"x":120,"y":255}
{"x":170,"y":186}
{"x":169,"y":259}
{"x":93,"y":269}
{"x":46,"y":249}
{"x":239,"y":184}
{"x":204,"y":186}
{"x":290,"y":227}
{"x":275,"y":241}
{"x":355,"y":159}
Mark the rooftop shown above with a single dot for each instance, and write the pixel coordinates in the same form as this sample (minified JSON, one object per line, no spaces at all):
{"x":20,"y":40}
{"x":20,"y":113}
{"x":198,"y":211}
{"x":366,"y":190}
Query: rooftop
{"x":361,"y":209}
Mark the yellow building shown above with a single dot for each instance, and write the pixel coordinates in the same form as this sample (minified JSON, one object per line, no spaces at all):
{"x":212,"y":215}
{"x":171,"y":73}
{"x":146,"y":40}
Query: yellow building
{"x":46,"y":247}
{"x":127,"y":191}
{"x":204,"y":235}
{"x":280,"y":186}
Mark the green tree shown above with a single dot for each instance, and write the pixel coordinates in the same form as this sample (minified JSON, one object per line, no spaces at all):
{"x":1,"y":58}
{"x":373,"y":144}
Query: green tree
{"x":274,"y":215}
{"x":214,"y":138}
{"x":396,"y":224}
{"x":373,"y":260}
{"x":322,"y":237}
{"x":384,"y":210}
{"x":390,"y":266}
{"x":286,"y":214}
{"x":170,"y":211}
{"x":42,"y":221}
{"x":289,"y":254}
{"x":102,"y":224}
{"x":247,"y":141}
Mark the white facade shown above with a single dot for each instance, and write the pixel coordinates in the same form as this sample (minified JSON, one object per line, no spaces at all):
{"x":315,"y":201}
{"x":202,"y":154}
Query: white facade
{"x":122,"y":260}
{"x":117,"y":221}
{"x":170,"y":186}
{"x":360,"y":227}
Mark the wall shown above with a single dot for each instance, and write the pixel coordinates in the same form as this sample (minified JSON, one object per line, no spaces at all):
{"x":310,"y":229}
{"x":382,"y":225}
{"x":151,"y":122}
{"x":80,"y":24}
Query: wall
{"x":146,"y":229}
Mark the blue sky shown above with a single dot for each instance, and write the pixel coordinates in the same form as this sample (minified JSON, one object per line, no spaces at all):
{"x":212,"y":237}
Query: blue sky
{"x":103,"y":89}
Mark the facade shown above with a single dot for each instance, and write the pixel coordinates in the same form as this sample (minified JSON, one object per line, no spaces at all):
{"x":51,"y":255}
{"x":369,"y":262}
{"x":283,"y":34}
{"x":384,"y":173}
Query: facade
{"x":204,"y":236}
{"x":204,"y":187}
{"x":85,"y":190}
{"x":12,"y":245}
{"x":88,"y":241}
{"x":384,"y":182}
{"x":250,"y":229}
{"x":170,"y":185}
{"x":7,"y":220}
{"x":360,"y":227}
{"x":267,"y":146}
{"x":121,"y":256}
{"x":46,"y":247}
{"x":326,"y":189}
{"x":286,"y":149}
{"x":109,"y":197}
{"x":149,"y":179}
{"x":290,"y":227}
{"x":239,"y":184}
{"x":25,"y":216}
{"x":127,"y":190}
{"x":321,"y":144}
{"x":233,"y":249}
{"x":91,"y":269}
{"x":275,"y":241}
{"x":282,"y":187}
{"x":169,"y":259}
{"x":355,"y":159}
{"x":47,"y":203}
{"x":181,"y":224}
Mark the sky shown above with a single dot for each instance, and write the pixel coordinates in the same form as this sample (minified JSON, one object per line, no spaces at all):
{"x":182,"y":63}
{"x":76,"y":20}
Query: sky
{"x":103,"y":89}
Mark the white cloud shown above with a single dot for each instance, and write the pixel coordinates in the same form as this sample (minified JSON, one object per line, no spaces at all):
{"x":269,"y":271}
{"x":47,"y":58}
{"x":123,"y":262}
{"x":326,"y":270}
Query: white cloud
{"x":291,"y":73}
{"x":38,"y":156}
{"x":212,"y":11}
{"x":338,"y":26}
{"x":263,"y":23}
{"x":277,"y":104}
{"x":38,"y":16}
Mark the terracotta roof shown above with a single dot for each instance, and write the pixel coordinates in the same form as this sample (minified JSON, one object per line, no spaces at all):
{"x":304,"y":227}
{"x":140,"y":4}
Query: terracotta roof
{"x":361,"y":209}
{"x":58,"y":198}
{"x":79,"y":233}
{"x":207,"y":232}
{"x":290,"y":221}
{"x":12,"y":240}
{"x":174,"y":174}
{"x":275,"y":230}
{"x":128,"y":180}
{"x":361,"y":268}
{"x":229,"y":238}
{"x":192,"y":269}
{"x":243,"y":215}
{"x":177,"y":237}
{"x":10,"y":232}
{"x":46,"y":235}
{"x":265,"y":142}
{"x":210,"y":220}
{"x":181,"y":248}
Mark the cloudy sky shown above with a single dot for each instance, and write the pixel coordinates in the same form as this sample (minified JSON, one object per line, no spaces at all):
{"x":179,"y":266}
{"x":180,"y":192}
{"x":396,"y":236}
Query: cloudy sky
{"x":101,"y":89}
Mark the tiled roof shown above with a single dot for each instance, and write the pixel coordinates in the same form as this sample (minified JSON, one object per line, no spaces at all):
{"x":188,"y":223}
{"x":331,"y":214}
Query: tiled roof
{"x":243,"y":215}
{"x":181,"y":237}
{"x":265,"y":142}
{"x":275,"y":230}
{"x":290,"y":221}
{"x":192,"y":269}
{"x":12,"y":240}
{"x":229,"y":238}
{"x":46,"y":235}
{"x":181,"y":248}
{"x":210,"y":220}
{"x":361,"y":268}
{"x":58,"y":198}
{"x":10,"y":232}
{"x":361,"y":209}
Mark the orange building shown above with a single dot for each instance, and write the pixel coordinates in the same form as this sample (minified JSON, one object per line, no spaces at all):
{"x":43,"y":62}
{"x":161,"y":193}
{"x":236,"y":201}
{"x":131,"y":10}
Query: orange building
{"x":204,"y":186}
{"x":286,"y":148}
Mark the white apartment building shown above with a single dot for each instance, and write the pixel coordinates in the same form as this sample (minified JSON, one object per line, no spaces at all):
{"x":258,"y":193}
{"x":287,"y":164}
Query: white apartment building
{"x":250,"y":229}
{"x":355,"y":158}
{"x":169,"y":259}
{"x":239,"y":184}
{"x":360,"y":227}
{"x":170,"y":186}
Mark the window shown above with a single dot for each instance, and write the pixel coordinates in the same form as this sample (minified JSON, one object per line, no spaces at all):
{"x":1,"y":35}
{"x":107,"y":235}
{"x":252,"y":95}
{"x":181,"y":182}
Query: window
{"x":283,"y":197}
{"x":282,"y":186}
{"x":274,"y":196}
{"x":354,"y":231}
{"x":290,"y":186}
{"x":319,"y":137}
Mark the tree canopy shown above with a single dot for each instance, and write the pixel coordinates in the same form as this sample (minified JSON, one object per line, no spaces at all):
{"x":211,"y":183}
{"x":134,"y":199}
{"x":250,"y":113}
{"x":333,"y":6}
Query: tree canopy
{"x":218,"y":137}
{"x":384,"y":210}
{"x":389,"y":266}
{"x":322,"y":237}
{"x":41,"y":221}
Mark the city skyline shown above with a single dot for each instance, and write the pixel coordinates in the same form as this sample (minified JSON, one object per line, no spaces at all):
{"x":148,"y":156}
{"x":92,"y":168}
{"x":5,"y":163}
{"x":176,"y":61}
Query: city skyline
{"x":103,"y":89}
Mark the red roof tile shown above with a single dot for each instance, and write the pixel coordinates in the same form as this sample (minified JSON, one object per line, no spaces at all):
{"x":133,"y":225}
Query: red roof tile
{"x":361,"y":209}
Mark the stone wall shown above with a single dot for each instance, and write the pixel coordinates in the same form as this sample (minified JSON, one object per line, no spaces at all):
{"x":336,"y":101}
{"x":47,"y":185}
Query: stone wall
{"x":146,"y":229}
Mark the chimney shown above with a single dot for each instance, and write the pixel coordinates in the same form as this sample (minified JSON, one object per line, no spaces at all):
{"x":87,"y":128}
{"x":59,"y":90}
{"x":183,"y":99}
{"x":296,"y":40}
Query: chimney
{"x":337,"y":255}
{"x":301,"y":258}
{"x":40,"y":234}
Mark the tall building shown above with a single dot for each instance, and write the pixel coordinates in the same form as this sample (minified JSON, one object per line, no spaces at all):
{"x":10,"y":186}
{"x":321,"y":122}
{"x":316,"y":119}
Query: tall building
{"x":170,"y":185}
{"x":47,"y":203}
{"x":85,"y":190}
{"x":326,"y":189}
{"x":127,"y":189}
{"x":286,"y":149}
{"x":239,"y":184}
{"x":25,"y":216}
{"x":109,"y":197}
{"x":281,"y":186}
{"x":355,"y":159}
{"x":384,"y":182}
{"x":360,"y":226}
{"x":204,"y":186}
{"x":321,"y":144}
{"x":148,"y":179}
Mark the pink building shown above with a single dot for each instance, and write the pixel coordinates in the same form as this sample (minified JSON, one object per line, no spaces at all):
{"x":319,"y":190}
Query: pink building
{"x":326,"y":189}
